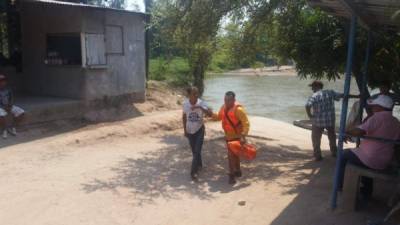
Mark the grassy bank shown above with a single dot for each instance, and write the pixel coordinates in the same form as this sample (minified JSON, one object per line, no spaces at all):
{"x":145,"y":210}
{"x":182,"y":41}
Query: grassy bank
{"x":176,"y":70}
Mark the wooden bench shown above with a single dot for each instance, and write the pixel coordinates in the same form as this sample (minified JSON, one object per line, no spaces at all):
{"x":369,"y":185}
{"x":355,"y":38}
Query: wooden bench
{"x":352,"y":179}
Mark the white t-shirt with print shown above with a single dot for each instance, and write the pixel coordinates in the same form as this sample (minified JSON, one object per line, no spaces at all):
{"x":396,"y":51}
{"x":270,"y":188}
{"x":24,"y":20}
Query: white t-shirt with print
{"x":194,"y":118}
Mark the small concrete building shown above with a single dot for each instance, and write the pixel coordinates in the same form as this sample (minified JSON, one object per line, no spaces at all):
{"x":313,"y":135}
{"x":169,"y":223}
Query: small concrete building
{"x":92,"y":55}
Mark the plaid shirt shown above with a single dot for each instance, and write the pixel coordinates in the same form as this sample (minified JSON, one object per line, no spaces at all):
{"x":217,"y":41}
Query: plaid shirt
{"x":323,"y":107}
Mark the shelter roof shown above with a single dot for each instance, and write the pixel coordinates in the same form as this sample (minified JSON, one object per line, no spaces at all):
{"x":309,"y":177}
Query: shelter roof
{"x":371,"y":13}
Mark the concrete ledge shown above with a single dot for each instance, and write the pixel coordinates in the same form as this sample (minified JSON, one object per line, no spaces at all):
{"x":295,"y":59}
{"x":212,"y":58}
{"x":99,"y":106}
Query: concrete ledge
{"x":109,"y":108}
{"x":112,"y":108}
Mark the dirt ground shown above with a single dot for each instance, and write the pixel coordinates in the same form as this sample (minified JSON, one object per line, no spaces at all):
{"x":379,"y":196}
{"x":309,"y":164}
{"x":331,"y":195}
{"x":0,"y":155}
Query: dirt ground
{"x":161,"y":97}
{"x":136,"y":171}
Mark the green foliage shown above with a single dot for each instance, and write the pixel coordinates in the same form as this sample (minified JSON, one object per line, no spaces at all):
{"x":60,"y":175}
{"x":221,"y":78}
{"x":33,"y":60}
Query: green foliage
{"x":385,"y":60}
{"x":314,"y":40}
{"x":250,"y":45}
{"x":260,"y":31}
{"x":4,"y":50}
{"x":190,"y":27}
{"x":317,"y":43}
{"x":174,"y":71}
{"x":257,"y":64}
{"x":220,"y":62}
{"x":222,"y":58}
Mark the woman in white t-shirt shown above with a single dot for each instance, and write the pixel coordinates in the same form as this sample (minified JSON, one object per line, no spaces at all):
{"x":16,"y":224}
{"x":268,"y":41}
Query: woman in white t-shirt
{"x":194,"y":111}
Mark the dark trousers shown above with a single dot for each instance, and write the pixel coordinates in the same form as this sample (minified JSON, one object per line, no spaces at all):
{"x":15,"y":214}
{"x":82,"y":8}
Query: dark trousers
{"x":316,"y":135}
{"x":234,"y":163}
{"x":196,"y":144}
{"x":366,"y":182}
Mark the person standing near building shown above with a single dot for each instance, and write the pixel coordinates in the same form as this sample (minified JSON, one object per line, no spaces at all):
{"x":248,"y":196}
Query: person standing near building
{"x":320,"y":108}
{"x":194,"y":111}
{"x":7,"y":106}
{"x":236,"y":127}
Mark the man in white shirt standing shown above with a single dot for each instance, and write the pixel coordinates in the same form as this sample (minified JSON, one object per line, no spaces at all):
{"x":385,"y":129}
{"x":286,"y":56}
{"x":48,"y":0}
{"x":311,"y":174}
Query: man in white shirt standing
{"x":194,"y":110}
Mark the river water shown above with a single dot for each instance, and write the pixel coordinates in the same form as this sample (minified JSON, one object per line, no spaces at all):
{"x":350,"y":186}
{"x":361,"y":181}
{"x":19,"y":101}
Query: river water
{"x":277,"y":97}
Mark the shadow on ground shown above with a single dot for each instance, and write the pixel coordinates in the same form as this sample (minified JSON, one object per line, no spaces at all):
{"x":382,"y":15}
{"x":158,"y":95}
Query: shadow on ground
{"x":37,"y":131}
{"x":165,"y":173}
{"x":313,"y":192}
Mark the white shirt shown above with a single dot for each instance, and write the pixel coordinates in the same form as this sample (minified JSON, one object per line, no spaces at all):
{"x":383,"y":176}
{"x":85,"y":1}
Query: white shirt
{"x":194,"y":118}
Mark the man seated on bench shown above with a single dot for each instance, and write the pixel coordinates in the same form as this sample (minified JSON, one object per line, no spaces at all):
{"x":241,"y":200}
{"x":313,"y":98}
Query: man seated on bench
{"x":373,"y":154}
{"x":7,"y":106}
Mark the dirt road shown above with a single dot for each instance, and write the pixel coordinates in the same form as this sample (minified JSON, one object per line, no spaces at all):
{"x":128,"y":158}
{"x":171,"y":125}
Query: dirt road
{"x":136,"y":172}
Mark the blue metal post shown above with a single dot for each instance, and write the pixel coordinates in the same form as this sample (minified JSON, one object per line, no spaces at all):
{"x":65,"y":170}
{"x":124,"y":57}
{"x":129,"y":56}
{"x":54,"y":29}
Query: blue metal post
{"x":365,"y":75}
{"x":364,"y":83}
{"x":343,"y":115}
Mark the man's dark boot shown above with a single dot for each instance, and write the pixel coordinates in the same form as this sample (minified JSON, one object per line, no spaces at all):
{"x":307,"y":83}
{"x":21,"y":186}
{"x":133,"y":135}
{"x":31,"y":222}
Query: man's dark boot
{"x":238,"y":173}
{"x":232,"y":179}
{"x":334,"y":153}
{"x":318,"y":158}
{"x":194,"y":177}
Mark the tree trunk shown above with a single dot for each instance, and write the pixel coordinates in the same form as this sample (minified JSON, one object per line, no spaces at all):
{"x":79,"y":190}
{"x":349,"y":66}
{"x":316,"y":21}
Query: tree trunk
{"x":199,"y":63}
{"x":198,"y":75}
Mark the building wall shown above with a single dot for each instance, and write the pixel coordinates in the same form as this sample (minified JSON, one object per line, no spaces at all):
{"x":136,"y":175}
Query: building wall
{"x":13,"y":77}
{"x":125,"y":72}
{"x":38,"y":20}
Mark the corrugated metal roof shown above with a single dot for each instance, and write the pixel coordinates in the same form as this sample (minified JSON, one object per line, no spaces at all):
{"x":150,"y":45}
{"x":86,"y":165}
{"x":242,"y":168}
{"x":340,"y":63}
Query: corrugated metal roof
{"x":374,"y":13}
{"x":71,"y":4}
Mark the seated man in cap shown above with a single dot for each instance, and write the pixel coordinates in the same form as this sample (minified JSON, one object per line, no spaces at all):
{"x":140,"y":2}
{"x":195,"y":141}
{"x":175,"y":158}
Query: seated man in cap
{"x":373,"y":154}
{"x":320,"y":108}
{"x":384,"y":89}
{"x":7,"y":106}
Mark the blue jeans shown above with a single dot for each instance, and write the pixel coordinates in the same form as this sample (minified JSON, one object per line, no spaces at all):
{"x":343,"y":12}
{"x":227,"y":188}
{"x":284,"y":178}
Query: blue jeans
{"x":350,"y":157}
{"x":196,"y":144}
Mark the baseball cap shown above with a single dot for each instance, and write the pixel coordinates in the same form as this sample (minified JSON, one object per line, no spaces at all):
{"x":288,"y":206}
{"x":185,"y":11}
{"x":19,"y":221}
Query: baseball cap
{"x":382,"y":100}
{"x":316,"y":83}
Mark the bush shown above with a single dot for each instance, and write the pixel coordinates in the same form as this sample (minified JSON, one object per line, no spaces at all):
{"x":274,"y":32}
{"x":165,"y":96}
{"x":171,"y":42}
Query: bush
{"x":221,"y":62}
{"x":157,"y":69}
{"x":257,"y":64}
{"x":175,"y":71}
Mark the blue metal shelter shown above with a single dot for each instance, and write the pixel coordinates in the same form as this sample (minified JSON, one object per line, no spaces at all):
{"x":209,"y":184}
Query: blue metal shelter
{"x":370,"y":14}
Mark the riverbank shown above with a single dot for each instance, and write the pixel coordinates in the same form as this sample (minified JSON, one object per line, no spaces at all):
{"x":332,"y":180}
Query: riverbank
{"x":136,"y":171}
{"x":160,"y":96}
{"x":266,"y":71}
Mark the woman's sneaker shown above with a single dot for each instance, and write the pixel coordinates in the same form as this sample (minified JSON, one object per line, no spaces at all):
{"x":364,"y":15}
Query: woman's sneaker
{"x":5,"y":134}
{"x":13,"y":131}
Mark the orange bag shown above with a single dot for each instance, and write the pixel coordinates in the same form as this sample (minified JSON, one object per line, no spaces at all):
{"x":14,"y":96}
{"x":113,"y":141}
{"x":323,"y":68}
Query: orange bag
{"x":247,"y":151}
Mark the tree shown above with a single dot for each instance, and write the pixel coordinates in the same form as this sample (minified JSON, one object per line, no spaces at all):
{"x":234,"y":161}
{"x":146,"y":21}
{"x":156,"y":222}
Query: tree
{"x":192,"y":26}
{"x":317,"y":42}
{"x":284,"y":29}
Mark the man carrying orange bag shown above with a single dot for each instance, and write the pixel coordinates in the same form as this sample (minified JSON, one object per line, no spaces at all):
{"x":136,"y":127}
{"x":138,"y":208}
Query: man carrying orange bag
{"x":236,"y":127}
